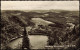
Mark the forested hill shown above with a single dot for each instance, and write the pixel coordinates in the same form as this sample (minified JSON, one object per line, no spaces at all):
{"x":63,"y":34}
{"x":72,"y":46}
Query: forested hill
{"x":12,"y":21}
{"x":51,"y":15}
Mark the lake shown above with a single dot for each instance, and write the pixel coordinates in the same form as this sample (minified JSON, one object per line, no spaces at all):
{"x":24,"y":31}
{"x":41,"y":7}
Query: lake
{"x":36,"y":42}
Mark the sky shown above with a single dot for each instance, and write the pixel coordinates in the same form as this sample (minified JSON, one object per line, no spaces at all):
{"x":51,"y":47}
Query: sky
{"x":39,"y":5}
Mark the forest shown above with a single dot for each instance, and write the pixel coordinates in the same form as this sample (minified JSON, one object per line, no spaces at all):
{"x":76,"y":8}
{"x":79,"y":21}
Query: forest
{"x":13,"y":21}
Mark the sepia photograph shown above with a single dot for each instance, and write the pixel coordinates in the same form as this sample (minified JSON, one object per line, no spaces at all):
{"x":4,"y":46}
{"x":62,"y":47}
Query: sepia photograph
{"x":28,"y":25}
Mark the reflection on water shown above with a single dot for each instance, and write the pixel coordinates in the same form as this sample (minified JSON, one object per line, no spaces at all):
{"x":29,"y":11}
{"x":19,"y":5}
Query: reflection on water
{"x":36,"y":42}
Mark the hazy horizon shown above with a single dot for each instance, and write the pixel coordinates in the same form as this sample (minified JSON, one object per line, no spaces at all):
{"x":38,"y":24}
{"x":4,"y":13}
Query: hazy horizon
{"x":40,"y":5}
